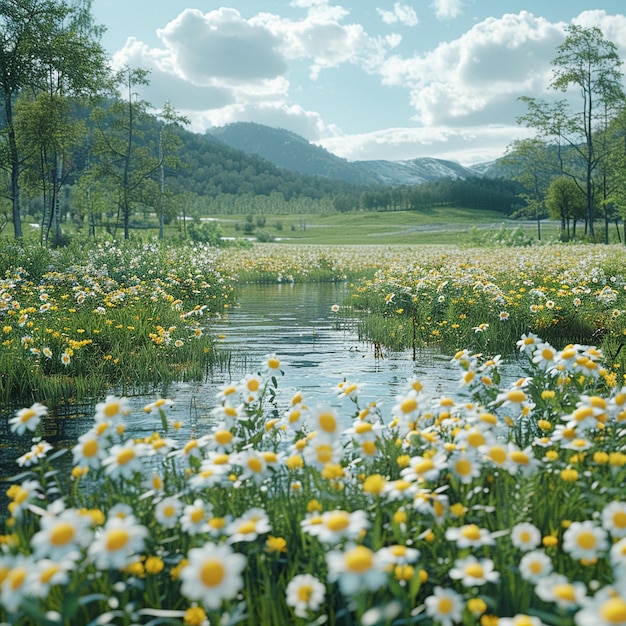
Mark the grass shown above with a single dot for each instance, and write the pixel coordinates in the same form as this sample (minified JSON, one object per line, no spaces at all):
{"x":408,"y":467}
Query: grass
{"x":443,"y":225}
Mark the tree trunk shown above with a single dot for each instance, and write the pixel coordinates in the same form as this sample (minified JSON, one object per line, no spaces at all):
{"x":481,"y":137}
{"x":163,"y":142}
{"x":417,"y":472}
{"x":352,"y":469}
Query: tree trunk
{"x":15,"y":168}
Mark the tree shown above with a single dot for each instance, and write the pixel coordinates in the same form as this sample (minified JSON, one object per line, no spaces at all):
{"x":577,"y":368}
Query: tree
{"x":169,"y":145}
{"x":589,"y":62}
{"x":533,"y":165}
{"x":125,"y":142}
{"x":565,"y":201}
{"x":43,"y":43}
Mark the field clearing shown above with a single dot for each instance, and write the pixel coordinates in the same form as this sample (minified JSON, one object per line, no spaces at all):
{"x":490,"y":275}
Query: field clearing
{"x":444,"y":225}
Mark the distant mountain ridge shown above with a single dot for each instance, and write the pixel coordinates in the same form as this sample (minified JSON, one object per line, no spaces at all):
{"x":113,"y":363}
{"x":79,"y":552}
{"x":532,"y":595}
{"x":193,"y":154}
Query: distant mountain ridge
{"x":292,"y":152}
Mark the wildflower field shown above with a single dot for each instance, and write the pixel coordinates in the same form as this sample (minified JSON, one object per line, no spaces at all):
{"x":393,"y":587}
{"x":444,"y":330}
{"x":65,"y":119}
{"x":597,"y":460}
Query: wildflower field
{"x":504,"y":505}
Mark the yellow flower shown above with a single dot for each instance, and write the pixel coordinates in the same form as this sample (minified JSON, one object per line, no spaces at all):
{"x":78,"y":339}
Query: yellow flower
{"x":154,"y":564}
{"x":374,"y":484}
{"x":569,"y":475}
{"x":194,"y":616}
{"x":276,"y":544}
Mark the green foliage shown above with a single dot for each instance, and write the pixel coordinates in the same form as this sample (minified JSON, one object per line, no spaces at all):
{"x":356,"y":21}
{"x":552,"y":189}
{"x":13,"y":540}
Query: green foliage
{"x":82,"y":320}
{"x":504,"y":236}
{"x":205,"y":232}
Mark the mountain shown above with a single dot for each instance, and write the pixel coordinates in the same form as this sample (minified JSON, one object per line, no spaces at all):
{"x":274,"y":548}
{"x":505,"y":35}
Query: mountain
{"x":294,"y":153}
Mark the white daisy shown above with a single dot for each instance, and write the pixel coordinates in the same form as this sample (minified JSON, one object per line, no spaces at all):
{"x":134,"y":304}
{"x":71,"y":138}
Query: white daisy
{"x":535,"y":565}
{"x":167,"y":511}
{"x":473,"y":572}
{"x":445,"y":606}
{"x":614,"y":519}
{"x":118,"y":543}
{"x":606,"y":608}
{"x":525,"y":536}
{"x":28,"y":419}
{"x":470,"y":536}
{"x":249,"y":526}
{"x":585,"y":540}
{"x":558,"y":589}
{"x":338,"y":525}
{"x":212,"y":574}
{"x":357,"y":568}
{"x":61,"y":533}
{"x":305,"y":594}
{"x":194,"y":519}
{"x":125,"y":459}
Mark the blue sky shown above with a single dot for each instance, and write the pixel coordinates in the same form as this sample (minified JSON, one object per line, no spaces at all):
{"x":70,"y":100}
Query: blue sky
{"x":366,"y":79}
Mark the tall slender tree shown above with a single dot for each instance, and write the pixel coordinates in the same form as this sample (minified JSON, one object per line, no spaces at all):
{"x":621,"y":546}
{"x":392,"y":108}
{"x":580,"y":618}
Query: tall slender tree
{"x":127,"y":142}
{"x":45,"y":46}
{"x":588,"y":62}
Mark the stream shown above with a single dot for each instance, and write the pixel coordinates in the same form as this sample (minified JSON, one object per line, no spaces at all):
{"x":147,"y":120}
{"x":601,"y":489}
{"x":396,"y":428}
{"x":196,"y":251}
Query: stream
{"x":317,"y":347}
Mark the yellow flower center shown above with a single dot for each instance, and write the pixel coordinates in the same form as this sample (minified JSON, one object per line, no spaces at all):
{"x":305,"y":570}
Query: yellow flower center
{"x":445,"y":606}
{"x":619,"y":519}
{"x":327,"y":422}
{"x":112,"y":409}
{"x":565,"y":592}
{"x":48,"y":573}
{"x":62,"y":534}
{"x":304,"y":593}
{"x":223,"y":437}
{"x":497,"y":454}
{"x":517,"y":456}
{"x":586,"y":540}
{"x":16,"y":577}
{"x":464,"y":467}
{"x":424,"y":466}
{"x":255,"y":464}
{"x":471,"y":532}
{"x":359,"y":559}
{"x":247,"y":528}
{"x":476,"y":439}
{"x":212,"y":573}
{"x":614,"y":610}
{"x":475,"y":570}
{"x":90,"y":448}
{"x":197,"y":515}
{"x":516,"y":395}
{"x":369,"y":447}
{"x":125,"y":456}
{"x":117,"y":539}
{"x":28,"y":414}
{"x":408,"y":405}
{"x":324,"y":453}
{"x":337,"y":521}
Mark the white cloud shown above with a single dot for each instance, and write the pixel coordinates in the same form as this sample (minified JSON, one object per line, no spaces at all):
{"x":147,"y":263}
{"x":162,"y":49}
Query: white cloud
{"x":612,"y":26}
{"x":323,"y":40}
{"x":219,"y":67}
{"x":493,"y":63}
{"x":464,"y":145}
{"x":447,"y":9}
{"x":221,"y":46}
{"x":401,"y":14}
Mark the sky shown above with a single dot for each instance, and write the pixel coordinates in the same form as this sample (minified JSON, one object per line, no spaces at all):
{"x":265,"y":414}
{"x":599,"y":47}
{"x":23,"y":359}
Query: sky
{"x":365,"y":79}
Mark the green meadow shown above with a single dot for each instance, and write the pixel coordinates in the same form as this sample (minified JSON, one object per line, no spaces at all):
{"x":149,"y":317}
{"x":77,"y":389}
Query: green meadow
{"x":500,"y":505}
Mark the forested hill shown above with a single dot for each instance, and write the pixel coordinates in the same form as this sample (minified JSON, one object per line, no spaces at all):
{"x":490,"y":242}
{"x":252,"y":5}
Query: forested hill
{"x":210,"y":168}
{"x":294,"y":153}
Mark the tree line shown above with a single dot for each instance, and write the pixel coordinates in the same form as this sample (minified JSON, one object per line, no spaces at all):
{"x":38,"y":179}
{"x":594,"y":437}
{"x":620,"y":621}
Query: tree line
{"x":574,"y":168}
{"x":76,"y":140}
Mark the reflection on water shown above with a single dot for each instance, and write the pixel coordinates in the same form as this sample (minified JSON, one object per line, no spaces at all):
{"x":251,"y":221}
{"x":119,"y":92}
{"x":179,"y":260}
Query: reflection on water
{"x":317,"y":348}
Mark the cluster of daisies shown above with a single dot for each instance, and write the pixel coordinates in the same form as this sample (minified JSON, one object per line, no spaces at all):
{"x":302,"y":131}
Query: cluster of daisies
{"x":503,"y":506}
